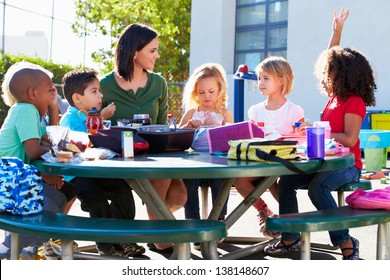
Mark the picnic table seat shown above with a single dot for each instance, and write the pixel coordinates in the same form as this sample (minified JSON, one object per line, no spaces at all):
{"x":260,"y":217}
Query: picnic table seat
{"x":69,"y":228}
{"x":344,"y":217}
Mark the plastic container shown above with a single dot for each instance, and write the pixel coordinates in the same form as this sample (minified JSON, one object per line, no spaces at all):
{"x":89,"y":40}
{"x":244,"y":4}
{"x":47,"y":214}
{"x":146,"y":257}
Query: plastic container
{"x":326,"y":125}
{"x":315,"y":137}
{"x":94,"y":121}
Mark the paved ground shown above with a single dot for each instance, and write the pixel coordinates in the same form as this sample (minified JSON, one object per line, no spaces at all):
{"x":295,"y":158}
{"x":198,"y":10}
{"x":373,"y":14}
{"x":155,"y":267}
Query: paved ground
{"x":247,"y":226}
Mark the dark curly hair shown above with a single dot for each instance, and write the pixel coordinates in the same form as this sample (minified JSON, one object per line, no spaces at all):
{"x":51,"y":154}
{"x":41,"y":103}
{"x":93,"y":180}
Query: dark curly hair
{"x":347,"y":70}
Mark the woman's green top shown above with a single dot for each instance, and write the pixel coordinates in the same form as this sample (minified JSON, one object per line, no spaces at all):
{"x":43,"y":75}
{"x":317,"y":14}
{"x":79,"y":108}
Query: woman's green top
{"x":152,"y":99}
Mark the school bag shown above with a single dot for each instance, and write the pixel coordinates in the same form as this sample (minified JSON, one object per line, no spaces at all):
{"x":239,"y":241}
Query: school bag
{"x":376,"y":199}
{"x":21,"y":188}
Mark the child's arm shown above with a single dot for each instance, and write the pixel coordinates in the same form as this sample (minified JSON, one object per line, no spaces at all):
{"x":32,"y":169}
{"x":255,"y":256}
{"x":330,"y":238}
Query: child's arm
{"x":108,"y":111}
{"x":352,"y":124}
{"x":338,"y":23}
{"x":53,"y":180}
{"x":228,"y":117}
{"x":187,"y":122}
{"x":34,"y":149}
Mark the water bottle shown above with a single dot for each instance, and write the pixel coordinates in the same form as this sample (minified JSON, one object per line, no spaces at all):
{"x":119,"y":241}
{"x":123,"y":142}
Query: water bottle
{"x":94,"y":121}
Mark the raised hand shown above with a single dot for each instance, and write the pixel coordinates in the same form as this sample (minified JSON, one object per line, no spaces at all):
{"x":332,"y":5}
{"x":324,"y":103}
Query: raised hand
{"x":338,"y":21}
{"x":337,"y":27}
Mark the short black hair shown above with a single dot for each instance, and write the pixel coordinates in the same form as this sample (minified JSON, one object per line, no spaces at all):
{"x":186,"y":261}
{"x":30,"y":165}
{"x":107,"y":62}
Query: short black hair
{"x":76,"y":81}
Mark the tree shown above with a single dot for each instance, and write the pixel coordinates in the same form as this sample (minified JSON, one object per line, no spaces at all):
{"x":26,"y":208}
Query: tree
{"x":6,"y":60}
{"x":170,"y":18}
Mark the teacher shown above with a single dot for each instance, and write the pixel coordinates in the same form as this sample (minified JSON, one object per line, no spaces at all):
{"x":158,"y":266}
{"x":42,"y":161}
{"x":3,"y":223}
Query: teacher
{"x":132,"y":86}
{"x":135,"y":89}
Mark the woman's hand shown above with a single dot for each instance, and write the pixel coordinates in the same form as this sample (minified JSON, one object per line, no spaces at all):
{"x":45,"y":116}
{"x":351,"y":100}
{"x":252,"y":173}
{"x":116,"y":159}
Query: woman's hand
{"x":108,"y":111}
{"x":53,"y":180}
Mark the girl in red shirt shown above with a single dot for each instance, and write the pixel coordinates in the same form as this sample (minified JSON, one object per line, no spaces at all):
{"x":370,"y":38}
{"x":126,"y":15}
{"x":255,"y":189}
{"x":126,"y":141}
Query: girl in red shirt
{"x":348,"y":80}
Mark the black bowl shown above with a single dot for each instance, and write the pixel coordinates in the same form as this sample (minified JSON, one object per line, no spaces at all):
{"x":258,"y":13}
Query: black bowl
{"x":112,"y":139}
{"x":163,"y":141}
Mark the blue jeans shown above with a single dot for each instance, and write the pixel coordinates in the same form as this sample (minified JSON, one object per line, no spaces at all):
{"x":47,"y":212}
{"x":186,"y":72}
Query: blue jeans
{"x":54,"y":201}
{"x":320,"y":185}
{"x":191,"y":208}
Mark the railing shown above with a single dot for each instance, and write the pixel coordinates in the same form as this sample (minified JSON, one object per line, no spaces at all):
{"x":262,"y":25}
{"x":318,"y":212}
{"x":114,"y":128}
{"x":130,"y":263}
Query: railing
{"x":175,"y":91}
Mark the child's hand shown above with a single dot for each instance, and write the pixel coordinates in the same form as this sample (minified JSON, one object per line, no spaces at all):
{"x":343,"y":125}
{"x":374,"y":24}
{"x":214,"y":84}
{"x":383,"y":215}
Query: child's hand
{"x":210,"y":121}
{"x":108,"y":111}
{"x":54,"y":100}
{"x":302,"y":128}
{"x":193,"y":123}
{"x":339,"y":20}
{"x":53,"y":180}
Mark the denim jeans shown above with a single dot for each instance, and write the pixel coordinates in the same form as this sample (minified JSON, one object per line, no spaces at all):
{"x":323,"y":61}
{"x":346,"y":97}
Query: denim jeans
{"x":54,"y":201}
{"x":191,"y":208}
{"x":320,"y":185}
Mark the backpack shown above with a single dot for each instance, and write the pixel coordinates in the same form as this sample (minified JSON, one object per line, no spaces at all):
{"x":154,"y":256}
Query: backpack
{"x":21,"y":187}
{"x":376,"y":199}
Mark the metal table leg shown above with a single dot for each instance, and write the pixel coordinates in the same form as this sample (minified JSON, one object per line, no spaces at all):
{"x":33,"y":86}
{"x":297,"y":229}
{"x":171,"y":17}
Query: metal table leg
{"x":151,"y":198}
{"x":14,"y":246}
{"x":209,"y":249}
{"x":305,"y":247}
{"x":66,"y":249}
{"x":383,"y":250}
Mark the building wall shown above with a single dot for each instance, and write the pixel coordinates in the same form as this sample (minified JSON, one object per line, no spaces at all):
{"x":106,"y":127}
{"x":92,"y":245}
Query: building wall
{"x":309,"y":30}
{"x":33,"y":44}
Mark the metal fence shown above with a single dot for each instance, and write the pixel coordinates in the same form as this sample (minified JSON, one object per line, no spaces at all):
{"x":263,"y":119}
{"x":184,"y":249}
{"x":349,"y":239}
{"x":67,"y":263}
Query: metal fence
{"x":175,"y":97}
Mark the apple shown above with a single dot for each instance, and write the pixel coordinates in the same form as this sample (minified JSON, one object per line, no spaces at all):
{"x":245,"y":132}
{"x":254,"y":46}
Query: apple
{"x":243,"y":68}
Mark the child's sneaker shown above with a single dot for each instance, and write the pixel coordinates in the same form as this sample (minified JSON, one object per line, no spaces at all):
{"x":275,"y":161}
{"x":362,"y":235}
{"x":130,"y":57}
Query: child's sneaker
{"x":29,"y":253}
{"x":132,"y":249}
{"x":4,"y":252}
{"x":263,"y":214}
{"x":196,"y":246}
{"x":114,"y":250}
{"x":49,"y":253}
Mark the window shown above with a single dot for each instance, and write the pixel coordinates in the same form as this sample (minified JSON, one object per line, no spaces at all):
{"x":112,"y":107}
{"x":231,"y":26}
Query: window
{"x":261,"y":30}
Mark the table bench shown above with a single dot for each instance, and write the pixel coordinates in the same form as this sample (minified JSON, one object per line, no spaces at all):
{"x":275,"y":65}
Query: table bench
{"x":69,"y":228}
{"x":350,"y":187}
{"x":333,"y":219}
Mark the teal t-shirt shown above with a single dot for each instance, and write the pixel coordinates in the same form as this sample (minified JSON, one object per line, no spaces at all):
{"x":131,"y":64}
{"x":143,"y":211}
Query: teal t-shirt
{"x":22,"y":123}
{"x":75,"y":119}
{"x":152,"y":99}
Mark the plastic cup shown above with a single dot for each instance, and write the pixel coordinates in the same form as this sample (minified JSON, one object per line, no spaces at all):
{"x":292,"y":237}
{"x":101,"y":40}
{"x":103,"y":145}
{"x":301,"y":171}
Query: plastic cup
{"x":326,"y":125}
{"x":373,"y":159}
{"x":315,"y":138}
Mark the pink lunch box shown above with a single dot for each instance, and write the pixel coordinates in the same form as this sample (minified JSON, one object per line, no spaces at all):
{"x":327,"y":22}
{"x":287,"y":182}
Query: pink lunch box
{"x":218,"y":137}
